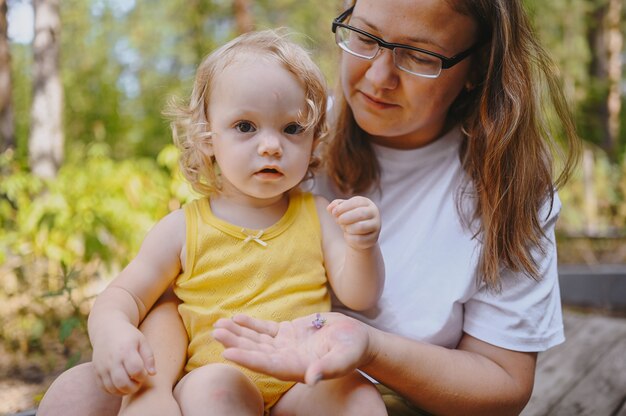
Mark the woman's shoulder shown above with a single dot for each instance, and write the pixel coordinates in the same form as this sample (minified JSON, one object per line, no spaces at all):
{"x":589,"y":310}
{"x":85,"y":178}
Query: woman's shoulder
{"x":550,"y":209}
{"x":322,"y":186}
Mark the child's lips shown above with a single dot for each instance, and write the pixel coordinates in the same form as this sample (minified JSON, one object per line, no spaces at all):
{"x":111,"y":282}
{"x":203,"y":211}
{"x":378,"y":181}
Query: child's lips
{"x":269,"y":173}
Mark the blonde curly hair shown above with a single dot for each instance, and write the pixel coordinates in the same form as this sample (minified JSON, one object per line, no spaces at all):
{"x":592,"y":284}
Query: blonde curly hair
{"x":190,"y":119}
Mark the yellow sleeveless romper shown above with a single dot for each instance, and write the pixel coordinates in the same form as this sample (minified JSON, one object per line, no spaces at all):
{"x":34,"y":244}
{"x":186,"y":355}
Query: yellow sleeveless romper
{"x":277,"y":274}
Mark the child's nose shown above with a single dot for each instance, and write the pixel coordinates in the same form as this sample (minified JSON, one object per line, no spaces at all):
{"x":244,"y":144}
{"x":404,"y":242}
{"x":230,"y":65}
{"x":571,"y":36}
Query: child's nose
{"x":270,"y":145}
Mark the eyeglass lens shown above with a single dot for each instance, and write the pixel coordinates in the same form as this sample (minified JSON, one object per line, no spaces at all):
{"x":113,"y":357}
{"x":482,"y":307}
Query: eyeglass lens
{"x":408,"y":60}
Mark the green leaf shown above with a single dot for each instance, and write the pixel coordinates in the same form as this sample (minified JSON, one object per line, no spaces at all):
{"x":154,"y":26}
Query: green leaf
{"x":67,"y":326}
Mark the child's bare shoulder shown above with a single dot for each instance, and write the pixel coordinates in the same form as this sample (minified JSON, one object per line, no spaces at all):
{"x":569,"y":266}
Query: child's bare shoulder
{"x":171,"y":228}
{"x":173,"y":220}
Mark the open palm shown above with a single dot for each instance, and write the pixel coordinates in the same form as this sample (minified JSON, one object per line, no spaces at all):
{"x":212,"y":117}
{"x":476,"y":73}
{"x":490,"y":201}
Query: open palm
{"x":295,"y":350}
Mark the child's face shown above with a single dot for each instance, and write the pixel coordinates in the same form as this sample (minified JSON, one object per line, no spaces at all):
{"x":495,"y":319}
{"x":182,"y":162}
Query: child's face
{"x":258,"y":143}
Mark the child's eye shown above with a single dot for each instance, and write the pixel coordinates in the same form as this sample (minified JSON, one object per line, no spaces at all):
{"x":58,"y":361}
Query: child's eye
{"x":245,"y":127}
{"x":294,"y":128}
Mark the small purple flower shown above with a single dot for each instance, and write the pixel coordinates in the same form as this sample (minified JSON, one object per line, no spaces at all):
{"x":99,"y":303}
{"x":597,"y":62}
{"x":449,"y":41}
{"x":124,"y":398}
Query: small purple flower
{"x":318,"y":322}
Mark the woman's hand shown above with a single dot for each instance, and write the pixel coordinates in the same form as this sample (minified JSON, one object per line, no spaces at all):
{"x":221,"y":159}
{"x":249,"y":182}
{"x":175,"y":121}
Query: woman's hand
{"x":296,"y":350}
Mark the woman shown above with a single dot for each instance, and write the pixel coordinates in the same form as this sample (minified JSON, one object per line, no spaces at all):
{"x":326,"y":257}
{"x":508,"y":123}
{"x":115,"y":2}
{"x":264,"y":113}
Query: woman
{"x":441,"y":123}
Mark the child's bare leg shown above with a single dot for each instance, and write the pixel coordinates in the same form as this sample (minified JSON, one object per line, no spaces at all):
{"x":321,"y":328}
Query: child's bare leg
{"x":349,"y":395}
{"x":218,"y":389}
{"x":167,"y":337}
{"x":76,"y":393}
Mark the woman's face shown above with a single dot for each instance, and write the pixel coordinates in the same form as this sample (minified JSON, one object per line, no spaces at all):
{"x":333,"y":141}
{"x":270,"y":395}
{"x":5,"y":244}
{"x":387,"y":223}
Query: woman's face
{"x":395,"y":108}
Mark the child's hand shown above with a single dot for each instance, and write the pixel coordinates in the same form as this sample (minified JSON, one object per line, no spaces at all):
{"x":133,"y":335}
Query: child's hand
{"x":359,"y":219}
{"x":123,"y":361}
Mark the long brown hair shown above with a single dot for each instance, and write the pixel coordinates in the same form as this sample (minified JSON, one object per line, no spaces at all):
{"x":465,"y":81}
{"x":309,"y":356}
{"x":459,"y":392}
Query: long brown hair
{"x":510,"y":138}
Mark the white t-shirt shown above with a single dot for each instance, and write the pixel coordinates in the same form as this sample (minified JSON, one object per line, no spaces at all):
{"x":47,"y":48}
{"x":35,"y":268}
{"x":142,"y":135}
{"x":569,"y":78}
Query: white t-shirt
{"x":430,"y":290}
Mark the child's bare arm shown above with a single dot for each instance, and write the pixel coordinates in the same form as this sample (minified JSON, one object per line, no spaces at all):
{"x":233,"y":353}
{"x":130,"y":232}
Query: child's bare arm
{"x":122,"y":357}
{"x":352,"y":256}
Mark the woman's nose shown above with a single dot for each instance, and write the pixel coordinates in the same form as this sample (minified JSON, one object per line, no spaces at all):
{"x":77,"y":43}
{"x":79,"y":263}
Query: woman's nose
{"x":382,"y":72}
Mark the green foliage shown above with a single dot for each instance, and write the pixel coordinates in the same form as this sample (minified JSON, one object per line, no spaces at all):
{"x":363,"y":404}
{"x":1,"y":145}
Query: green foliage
{"x":122,"y":62}
{"x":92,"y":217}
{"x":95,"y":208}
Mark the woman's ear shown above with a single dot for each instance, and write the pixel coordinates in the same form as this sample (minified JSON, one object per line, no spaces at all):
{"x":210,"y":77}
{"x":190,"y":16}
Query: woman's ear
{"x":480,"y":62}
{"x":474,"y":74}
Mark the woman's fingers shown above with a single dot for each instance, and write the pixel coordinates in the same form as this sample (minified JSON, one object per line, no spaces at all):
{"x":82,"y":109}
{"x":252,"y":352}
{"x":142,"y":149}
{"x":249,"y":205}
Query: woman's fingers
{"x":260,"y":326}
{"x":232,"y":340}
{"x":252,"y":359}
{"x":284,"y":365}
{"x":241,"y":331}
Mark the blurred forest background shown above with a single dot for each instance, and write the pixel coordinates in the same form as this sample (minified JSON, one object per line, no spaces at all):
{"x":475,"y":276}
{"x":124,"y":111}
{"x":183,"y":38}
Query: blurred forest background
{"x":87,"y":166}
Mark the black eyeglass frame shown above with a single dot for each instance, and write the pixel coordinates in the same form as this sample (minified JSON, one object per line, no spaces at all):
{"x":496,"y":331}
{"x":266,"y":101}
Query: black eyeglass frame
{"x":446,"y":62}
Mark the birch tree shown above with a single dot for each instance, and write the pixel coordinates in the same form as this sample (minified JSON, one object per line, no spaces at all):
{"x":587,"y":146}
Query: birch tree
{"x":7,"y":124}
{"x":45,"y":144}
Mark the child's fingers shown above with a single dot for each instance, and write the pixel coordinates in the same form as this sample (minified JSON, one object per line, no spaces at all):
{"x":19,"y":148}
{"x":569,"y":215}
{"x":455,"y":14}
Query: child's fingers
{"x":135,"y":368}
{"x":147,"y":357}
{"x":356,"y":215}
{"x":361,"y":227}
{"x":122,"y":383}
{"x":333,"y":206}
{"x":340,"y":206}
{"x":105,"y":380}
{"x":362,"y":205}
{"x":105,"y":383}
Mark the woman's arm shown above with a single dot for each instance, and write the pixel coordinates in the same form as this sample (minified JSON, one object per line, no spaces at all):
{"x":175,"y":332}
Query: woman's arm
{"x":476,"y":378}
{"x":167,"y":337}
{"x":352,"y":257}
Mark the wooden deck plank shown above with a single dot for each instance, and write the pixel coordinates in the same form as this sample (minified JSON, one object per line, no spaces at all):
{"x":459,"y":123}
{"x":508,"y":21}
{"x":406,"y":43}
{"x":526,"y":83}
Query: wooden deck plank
{"x":561,"y":369}
{"x":572,"y":322}
{"x":600,"y":392}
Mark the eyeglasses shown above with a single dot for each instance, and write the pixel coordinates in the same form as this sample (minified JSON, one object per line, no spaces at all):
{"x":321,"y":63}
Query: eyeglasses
{"x":416,"y":61}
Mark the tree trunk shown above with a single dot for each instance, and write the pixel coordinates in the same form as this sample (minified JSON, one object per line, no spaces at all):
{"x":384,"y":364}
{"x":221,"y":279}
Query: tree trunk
{"x":7,"y":126}
{"x":243,"y":16}
{"x":45,"y":145}
{"x":590,"y":198}
{"x":606,"y":41}
{"x":615,"y":42}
